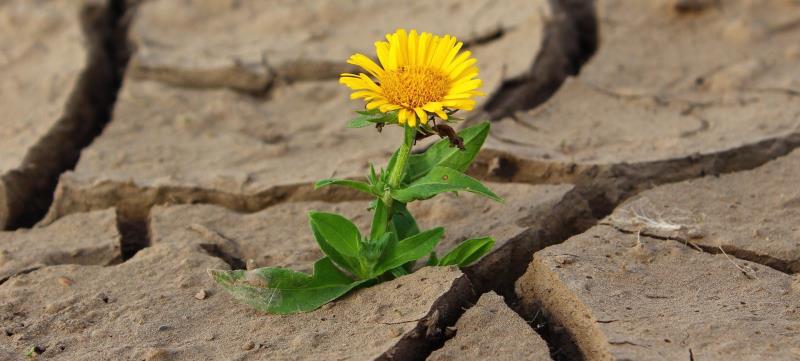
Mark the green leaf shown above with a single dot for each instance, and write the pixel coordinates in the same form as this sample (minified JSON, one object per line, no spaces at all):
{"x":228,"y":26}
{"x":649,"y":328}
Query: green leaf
{"x":371,"y":117}
{"x":442,"y":153}
{"x":467,"y":252}
{"x":281,"y":291}
{"x":338,"y":238}
{"x":380,"y":220}
{"x":409,"y":249}
{"x":439,"y":180}
{"x":403,"y":222}
{"x":357,"y":185}
{"x":432,"y":260}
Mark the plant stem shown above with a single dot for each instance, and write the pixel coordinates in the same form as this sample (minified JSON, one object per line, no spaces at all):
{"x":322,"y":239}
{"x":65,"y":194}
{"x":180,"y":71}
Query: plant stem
{"x":402,"y":157}
{"x":401,"y":162}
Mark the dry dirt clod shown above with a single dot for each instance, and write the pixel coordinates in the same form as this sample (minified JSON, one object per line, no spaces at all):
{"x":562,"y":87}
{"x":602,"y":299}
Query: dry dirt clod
{"x":249,"y":345}
{"x":628,"y":315}
{"x":640,"y":114}
{"x":200,"y":295}
{"x":490,"y":330}
{"x":86,"y":238}
{"x":66,"y":282}
{"x":148,"y":302}
{"x":762,"y":227}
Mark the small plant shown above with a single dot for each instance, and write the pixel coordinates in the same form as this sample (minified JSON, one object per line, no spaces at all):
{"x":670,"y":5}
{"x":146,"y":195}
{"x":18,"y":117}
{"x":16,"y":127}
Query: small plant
{"x":423,"y":80}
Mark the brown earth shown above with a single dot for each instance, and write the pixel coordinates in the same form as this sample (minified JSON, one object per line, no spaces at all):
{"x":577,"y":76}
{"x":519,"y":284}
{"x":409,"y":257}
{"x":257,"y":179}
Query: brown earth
{"x":623,"y":296}
{"x":148,"y":308}
{"x":230,"y":110}
{"x":57,"y":88}
{"x":491,"y":330}
{"x":657,"y":101}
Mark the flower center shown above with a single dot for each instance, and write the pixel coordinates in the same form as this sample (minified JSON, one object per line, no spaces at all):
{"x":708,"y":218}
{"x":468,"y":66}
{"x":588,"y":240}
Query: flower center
{"x":413,"y":86}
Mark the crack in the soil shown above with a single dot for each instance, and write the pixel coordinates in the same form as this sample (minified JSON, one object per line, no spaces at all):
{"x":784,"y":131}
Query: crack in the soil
{"x":571,"y":38}
{"x":88,"y":110}
{"x":429,"y":334}
{"x":779,"y":265}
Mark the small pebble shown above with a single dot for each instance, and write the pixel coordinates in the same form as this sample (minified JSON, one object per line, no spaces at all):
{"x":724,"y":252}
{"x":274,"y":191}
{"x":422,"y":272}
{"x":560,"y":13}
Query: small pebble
{"x":394,"y":332}
{"x":249,"y":345}
{"x":163,"y":328}
{"x":200,"y":295}
{"x":565,"y":259}
{"x":65,"y":281}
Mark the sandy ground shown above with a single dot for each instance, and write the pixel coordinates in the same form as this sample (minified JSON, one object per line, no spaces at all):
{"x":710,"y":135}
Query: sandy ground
{"x":645,"y":150}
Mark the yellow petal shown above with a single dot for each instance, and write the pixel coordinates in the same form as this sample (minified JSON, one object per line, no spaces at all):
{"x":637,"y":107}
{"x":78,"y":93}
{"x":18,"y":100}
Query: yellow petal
{"x":376,"y":103}
{"x":394,"y":48}
{"x":401,"y":116}
{"x":413,"y":39}
{"x":458,"y":61}
{"x":422,"y":48}
{"x":402,"y":51}
{"x":363,"y":94}
{"x":388,"y":107}
{"x":366,"y":63}
{"x":452,"y":54}
{"x":433,"y":49}
{"x":369,"y":83}
{"x":457,"y":71}
{"x":410,"y":117}
{"x":441,"y":51}
{"x":423,"y":117}
{"x":382,"y":48}
{"x":466,"y":86}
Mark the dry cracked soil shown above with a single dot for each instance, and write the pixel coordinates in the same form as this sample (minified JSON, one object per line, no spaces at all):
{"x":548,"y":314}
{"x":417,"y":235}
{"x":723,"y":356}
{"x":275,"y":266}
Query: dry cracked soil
{"x":648,"y":153}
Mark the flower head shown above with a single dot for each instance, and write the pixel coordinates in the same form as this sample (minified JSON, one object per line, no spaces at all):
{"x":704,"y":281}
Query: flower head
{"x":419,"y":74}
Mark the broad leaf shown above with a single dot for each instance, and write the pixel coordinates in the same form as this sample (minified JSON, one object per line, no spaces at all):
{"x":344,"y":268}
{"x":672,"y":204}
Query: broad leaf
{"x":281,"y":291}
{"x":442,"y":153}
{"x":338,"y":238}
{"x":467,"y":252}
{"x":409,"y":249}
{"x":359,"y":186}
{"x":439,"y":180}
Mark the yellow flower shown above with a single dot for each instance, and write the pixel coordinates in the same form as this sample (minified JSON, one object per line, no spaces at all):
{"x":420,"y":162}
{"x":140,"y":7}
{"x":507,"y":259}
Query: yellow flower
{"x":420,"y":74}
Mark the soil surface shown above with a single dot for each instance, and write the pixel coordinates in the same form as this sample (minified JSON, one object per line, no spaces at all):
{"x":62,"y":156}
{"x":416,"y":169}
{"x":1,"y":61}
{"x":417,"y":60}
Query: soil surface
{"x":646,"y":152}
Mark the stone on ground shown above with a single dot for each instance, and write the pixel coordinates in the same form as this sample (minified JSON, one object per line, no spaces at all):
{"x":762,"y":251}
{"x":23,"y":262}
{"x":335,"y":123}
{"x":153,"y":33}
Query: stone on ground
{"x":623,"y":296}
{"x":146,"y":309}
{"x":490,"y":330}
{"x":84,"y":238}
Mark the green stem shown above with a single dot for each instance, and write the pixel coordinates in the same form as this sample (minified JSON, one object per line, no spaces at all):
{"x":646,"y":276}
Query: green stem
{"x":395,"y":176}
{"x":400,"y":164}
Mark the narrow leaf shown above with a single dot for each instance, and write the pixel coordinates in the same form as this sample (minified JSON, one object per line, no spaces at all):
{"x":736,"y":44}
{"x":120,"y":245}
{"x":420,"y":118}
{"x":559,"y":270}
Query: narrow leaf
{"x":409,"y":249}
{"x":372,"y":117}
{"x":439,"y":180}
{"x":467,"y":252}
{"x":380,"y":220}
{"x":281,"y":291}
{"x":432,"y":260}
{"x":359,"y":186}
{"x":442,"y":153}
{"x":403,"y":222}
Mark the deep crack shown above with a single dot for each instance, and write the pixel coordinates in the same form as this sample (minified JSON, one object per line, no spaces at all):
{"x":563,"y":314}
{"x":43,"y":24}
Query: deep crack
{"x":86,"y":113}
